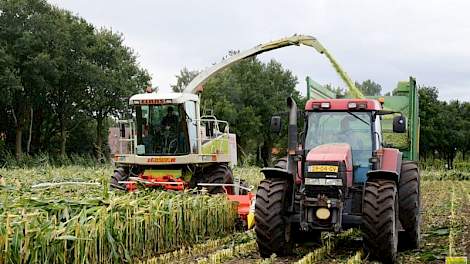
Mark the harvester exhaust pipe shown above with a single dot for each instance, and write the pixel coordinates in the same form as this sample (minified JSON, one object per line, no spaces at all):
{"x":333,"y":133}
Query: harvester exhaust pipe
{"x":291,"y":135}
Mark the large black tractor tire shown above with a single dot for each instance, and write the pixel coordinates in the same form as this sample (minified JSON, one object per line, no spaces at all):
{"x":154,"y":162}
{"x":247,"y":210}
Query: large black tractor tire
{"x":281,"y":163}
{"x":221,"y":174}
{"x":120,"y":174}
{"x":380,"y":220}
{"x":273,"y":232}
{"x":409,"y":203}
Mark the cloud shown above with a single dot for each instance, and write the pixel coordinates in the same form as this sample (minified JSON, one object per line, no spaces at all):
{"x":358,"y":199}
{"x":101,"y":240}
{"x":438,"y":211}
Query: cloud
{"x":385,"y":41}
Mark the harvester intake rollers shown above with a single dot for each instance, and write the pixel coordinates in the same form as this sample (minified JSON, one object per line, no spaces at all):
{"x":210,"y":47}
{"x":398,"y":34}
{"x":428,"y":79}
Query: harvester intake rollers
{"x":409,"y":195}
{"x":272,"y":229}
{"x":218,"y":174}
{"x":380,"y":220}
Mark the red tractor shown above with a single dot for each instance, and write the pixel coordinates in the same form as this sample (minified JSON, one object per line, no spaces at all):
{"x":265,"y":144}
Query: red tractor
{"x":342,"y":174}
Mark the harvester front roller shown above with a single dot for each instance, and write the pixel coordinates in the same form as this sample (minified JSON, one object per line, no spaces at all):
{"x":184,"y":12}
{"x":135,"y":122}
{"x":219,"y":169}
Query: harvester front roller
{"x":380,"y":220}
{"x":273,"y":233}
{"x":409,"y":195}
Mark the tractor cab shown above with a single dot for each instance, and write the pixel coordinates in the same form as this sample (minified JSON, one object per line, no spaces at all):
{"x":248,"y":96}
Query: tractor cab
{"x":345,"y":121}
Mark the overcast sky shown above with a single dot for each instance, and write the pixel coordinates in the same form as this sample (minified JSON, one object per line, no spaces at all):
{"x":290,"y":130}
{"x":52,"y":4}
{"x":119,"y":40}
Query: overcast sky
{"x":385,"y":41}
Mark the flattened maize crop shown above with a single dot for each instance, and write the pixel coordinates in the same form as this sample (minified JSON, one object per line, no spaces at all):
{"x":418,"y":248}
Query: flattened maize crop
{"x":89,"y":224}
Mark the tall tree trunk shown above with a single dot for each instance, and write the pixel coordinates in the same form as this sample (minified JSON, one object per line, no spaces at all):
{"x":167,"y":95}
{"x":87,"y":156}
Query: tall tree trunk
{"x":99,"y":139}
{"x":18,"y":139}
{"x":28,"y":144}
{"x":18,"y":136}
{"x":36,"y":139}
{"x":63,"y":138}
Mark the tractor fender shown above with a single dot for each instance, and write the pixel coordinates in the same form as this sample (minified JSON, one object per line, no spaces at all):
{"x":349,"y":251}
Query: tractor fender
{"x":389,"y":166}
{"x":277,"y":173}
{"x":383,"y":175}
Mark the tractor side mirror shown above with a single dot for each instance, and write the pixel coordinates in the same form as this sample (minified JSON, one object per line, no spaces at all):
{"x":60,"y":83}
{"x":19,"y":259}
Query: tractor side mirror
{"x":399,"y":124}
{"x":123,"y":130}
{"x":276,"y":124}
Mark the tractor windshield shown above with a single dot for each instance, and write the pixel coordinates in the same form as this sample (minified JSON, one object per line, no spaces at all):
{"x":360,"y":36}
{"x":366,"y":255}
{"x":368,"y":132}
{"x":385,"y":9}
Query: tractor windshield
{"x":161,"y":130}
{"x":352,"y":128}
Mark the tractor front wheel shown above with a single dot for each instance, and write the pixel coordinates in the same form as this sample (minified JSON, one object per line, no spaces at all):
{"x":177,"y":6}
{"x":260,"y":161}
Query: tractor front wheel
{"x":380,"y":220}
{"x":273,"y":231}
{"x":409,"y":195}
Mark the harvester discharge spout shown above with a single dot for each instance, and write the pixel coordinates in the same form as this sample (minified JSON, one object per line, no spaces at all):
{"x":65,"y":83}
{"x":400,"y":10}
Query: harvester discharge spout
{"x":195,"y":86}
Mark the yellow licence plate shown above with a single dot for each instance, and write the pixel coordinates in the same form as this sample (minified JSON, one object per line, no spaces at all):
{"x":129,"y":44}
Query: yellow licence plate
{"x":322,"y":168}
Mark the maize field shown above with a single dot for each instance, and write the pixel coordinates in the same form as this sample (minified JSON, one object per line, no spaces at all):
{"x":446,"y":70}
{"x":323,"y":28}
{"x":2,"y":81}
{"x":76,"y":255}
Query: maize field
{"x":68,"y":215}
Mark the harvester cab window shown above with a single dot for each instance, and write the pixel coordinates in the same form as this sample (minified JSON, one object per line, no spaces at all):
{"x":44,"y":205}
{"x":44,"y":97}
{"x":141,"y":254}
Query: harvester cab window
{"x":342,"y":127}
{"x":161,"y":130}
{"x":191,"y":119}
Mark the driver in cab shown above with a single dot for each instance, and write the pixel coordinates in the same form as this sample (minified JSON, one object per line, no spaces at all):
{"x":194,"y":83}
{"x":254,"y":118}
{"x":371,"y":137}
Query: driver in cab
{"x":170,"y":120}
{"x":347,"y":135}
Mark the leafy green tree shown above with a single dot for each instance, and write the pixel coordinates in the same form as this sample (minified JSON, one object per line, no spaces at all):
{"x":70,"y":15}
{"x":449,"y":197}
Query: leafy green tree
{"x":54,"y":69}
{"x":247,"y":95}
{"x":339,"y":92}
{"x":428,"y":111}
{"x":23,"y":29}
{"x":183,"y":79}
{"x":369,"y":88}
{"x":66,"y":83}
{"x":112,"y":76}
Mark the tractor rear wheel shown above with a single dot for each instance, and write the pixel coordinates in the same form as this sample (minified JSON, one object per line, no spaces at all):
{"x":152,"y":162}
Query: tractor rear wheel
{"x":281,"y":163}
{"x":273,"y":231}
{"x":220,"y":174}
{"x":409,"y":195}
{"x":380,"y":220}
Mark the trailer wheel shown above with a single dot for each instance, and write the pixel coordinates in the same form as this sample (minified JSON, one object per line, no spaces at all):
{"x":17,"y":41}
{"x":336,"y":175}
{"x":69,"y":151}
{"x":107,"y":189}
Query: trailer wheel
{"x":218,"y":174}
{"x":410,"y":202}
{"x":380,"y":220}
{"x":273,"y":232}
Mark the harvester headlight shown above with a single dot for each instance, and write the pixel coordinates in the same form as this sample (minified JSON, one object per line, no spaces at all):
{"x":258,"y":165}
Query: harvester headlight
{"x":323,"y":213}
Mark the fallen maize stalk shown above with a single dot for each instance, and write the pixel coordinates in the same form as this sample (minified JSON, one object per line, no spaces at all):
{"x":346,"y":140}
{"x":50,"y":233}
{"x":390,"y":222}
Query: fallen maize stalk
{"x":356,"y":258}
{"x":185,"y":253}
{"x":329,"y":245}
{"x":228,"y":253}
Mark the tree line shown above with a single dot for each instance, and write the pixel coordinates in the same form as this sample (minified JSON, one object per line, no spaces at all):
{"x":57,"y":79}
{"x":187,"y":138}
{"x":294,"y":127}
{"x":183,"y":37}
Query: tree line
{"x":60,"y":80}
